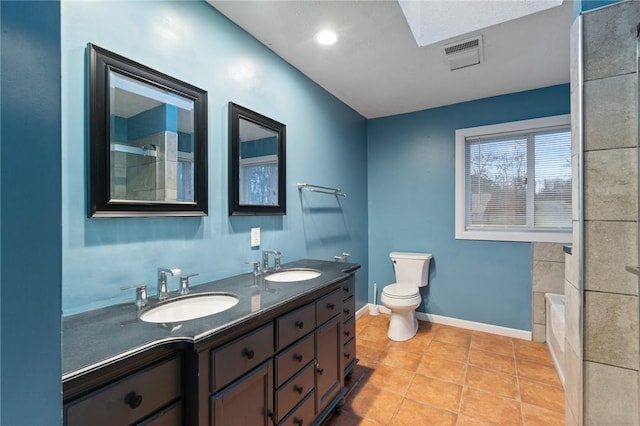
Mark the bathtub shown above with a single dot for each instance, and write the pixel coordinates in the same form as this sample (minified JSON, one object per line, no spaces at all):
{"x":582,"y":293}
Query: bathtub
{"x":555,"y":331}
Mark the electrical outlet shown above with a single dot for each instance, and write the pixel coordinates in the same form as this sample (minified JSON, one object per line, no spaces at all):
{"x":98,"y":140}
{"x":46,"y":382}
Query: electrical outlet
{"x":255,"y":237}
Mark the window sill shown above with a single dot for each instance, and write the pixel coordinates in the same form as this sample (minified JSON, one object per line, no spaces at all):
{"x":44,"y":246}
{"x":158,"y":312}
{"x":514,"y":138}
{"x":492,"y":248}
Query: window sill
{"x":533,"y":237}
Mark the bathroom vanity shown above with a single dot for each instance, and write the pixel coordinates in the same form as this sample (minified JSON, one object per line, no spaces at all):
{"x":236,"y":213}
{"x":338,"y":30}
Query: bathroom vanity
{"x":281,"y":356}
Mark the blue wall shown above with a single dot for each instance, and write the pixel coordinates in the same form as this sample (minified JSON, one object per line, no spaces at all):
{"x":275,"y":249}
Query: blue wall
{"x":411,"y":208}
{"x":30,"y":241}
{"x":191,"y":41}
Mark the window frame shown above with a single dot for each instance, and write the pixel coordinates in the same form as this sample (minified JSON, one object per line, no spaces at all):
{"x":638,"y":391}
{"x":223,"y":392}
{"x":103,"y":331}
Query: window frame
{"x":514,"y":127}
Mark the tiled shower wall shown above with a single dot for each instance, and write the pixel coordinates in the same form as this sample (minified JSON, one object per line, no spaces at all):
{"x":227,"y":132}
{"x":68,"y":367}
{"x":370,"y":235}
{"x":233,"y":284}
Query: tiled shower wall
{"x":547,"y":277}
{"x":610,"y":298}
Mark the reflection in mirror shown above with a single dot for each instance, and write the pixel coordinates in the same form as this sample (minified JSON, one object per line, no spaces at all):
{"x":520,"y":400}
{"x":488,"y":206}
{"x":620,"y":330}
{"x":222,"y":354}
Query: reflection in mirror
{"x":151,"y":142}
{"x":256,"y":166}
{"x":148,"y":141}
{"x":258,"y":160}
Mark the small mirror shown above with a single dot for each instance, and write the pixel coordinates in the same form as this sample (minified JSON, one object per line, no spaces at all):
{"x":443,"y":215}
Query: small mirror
{"x":148,"y":141}
{"x":256,"y":163}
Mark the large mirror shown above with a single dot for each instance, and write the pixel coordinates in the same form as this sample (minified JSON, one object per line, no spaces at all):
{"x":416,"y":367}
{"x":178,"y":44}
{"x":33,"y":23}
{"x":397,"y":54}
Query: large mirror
{"x":256,"y":163}
{"x":147,"y":142}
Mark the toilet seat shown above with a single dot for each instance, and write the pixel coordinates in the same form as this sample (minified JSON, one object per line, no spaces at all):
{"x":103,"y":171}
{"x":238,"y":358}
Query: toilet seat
{"x":401,"y":291}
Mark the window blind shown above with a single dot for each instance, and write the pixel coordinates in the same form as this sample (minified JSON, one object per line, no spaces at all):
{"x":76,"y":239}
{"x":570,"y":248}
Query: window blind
{"x":519,"y":181}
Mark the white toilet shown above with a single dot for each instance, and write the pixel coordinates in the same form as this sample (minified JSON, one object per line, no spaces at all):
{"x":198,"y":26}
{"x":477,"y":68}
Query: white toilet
{"x":403,"y":297}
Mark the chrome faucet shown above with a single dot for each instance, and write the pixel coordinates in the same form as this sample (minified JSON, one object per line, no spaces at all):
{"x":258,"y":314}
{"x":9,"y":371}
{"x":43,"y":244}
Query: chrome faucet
{"x":163,"y":293}
{"x":265,"y":259}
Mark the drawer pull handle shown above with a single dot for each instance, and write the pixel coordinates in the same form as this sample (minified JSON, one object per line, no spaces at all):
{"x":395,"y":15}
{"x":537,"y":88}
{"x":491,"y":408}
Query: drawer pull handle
{"x":320,"y":370}
{"x":331,"y":306}
{"x":298,"y":357}
{"x":271,"y":414}
{"x":346,"y":311}
{"x":298,"y":389}
{"x":248,"y":353}
{"x":346,"y":333}
{"x":133,"y":400}
{"x":345,"y":289}
{"x":298,"y":421}
{"x":300,"y":324}
{"x":347,"y":355}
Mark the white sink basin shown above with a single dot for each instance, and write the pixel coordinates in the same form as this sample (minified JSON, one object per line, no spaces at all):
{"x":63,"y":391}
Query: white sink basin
{"x":189,"y":307}
{"x":292,"y":275}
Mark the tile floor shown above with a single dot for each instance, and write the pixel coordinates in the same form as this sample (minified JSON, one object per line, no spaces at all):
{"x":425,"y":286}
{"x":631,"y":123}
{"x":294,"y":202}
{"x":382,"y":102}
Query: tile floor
{"x":449,"y":376}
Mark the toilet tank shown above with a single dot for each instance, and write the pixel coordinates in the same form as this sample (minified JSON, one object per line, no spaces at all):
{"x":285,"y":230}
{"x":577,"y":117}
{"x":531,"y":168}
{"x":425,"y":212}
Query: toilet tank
{"x":411,"y":268}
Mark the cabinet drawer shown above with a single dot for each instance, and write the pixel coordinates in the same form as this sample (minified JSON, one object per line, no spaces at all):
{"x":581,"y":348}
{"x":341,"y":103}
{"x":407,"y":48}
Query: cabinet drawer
{"x":348,"y":308}
{"x":170,"y":416}
{"x":348,"y":287}
{"x":349,"y":353}
{"x":293,"y":359}
{"x":303,"y":415}
{"x":294,"y":391}
{"x":130,"y":399}
{"x":348,"y":330}
{"x":294,"y":325}
{"x":241,"y":355}
{"x":328,"y":306}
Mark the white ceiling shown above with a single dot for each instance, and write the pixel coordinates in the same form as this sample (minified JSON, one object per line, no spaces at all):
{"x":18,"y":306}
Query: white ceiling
{"x":377,"y":68}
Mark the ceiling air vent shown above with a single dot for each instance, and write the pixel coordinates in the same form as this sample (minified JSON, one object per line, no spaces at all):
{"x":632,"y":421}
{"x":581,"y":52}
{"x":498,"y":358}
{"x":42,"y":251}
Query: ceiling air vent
{"x":464,"y":53}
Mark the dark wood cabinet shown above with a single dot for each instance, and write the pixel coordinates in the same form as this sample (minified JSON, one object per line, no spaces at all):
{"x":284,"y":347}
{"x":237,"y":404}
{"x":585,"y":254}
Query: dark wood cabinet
{"x":329,"y":375}
{"x":286,"y":366}
{"x":247,"y":401}
{"x":349,"y":359}
{"x":151,"y":396}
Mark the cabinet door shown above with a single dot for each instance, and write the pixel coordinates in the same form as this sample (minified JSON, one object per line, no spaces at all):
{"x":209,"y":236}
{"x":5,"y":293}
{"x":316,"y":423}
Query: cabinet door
{"x":329,"y":376}
{"x":248,"y":401}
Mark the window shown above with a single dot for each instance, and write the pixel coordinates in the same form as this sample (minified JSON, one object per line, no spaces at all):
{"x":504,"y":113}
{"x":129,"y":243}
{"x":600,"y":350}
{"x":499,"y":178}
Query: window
{"x":258,"y":177}
{"x":513,"y":181}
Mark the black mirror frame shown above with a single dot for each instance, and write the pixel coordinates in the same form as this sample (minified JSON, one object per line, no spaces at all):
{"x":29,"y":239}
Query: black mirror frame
{"x":101,"y":61}
{"x":235,"y":208}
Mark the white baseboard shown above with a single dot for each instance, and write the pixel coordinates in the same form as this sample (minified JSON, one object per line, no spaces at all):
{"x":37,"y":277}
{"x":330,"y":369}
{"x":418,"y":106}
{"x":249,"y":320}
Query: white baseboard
{"x":470,"y":325}
{"x":360,"y":312}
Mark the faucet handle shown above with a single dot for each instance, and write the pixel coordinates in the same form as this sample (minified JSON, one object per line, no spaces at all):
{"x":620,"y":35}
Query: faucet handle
{"x":184,"y":283}
{"x":343,"y":256}
{"x":141,"y":294}
{"x":256,"y":267}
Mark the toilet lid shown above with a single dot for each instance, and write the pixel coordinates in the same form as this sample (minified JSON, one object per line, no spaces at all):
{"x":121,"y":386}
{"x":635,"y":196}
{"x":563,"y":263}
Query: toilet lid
{"x":401,"y":291}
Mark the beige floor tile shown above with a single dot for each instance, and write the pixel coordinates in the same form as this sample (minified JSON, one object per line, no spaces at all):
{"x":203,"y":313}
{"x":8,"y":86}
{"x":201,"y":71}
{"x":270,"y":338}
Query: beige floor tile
{"x":453,"y":335}
{"x":381,"y":321}
{"x":345,"y":418}
{"x":417,"y":344}
{"x":537,"y":416}
{"x":447,"y":351}
{"x":492,"y":382}
{"x":532,"y":351}
{"x":538,"y":373}
{"x":461,"y":378}
{"x":442,"y":369}
{"x":470,"y":421}
{"x":412,"y":413}
{"x":390,"y":378}
{"x":368,"y":349}
{"x":492,"y":343}
{"x":492,"y":361}
{"x":369,"y":363}
{"x":375,"y":333}
{"x":371,"y":402}
{"x":435,"y":392}
{"x":489,"y":407}
{"x":401,"y":359}
{"x":545,"y":396}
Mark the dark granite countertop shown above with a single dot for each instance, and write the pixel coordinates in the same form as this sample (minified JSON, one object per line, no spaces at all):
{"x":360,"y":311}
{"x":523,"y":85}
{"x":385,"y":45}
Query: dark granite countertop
{"x":96,"y":338}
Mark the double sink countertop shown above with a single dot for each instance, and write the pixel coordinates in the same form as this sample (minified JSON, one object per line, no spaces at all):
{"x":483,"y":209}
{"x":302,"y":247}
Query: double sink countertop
{"x":99,"y":337}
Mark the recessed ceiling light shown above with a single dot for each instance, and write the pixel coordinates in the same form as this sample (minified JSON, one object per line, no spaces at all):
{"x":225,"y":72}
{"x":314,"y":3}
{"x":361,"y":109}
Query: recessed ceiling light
{"x":326,"y":37}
